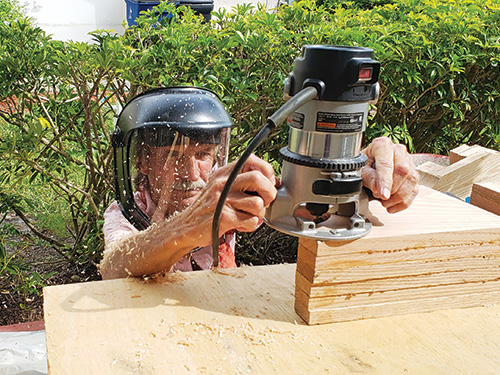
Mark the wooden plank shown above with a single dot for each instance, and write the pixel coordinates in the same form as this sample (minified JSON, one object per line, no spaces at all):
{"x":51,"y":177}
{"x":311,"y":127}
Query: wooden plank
{"x":414,"y":295}
{"x":457,"y":153}
{"x":205,"y":322}
{"x":429,"y":173}
{"x":486,"y":195}
{"x":468,"y":165}
{"x":392,"y":308}
{"x":423,"y":279}
{"x":464,"y":151}
{"x":345,"y":268}
{"x":337,"y":265}
{"x":434,"y":219}
{"x":438,"y":248}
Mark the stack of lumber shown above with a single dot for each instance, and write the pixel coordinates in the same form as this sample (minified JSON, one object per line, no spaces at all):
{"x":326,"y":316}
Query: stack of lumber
{"x":468,"y":165}
{"x":440,"y":253}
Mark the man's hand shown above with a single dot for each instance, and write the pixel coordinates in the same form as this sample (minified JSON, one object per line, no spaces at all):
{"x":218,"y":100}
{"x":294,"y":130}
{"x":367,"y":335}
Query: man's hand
{"x":252,"y":192}
{"x":395,"y":180}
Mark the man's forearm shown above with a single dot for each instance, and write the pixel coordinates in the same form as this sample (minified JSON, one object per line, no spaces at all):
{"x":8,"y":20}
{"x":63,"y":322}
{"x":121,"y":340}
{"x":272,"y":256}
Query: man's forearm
{"x":154,"y":250}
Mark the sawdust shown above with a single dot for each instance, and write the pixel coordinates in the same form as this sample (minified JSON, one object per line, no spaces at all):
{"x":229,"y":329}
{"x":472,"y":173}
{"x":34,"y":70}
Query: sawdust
{"x":168,"y":277}
{"x":191,"y":333}
{"x":233,"y":272}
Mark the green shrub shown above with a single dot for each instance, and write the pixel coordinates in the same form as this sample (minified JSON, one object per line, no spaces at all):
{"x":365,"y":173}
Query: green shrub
{"x":439,"y":88}
{"x":357,"y":4}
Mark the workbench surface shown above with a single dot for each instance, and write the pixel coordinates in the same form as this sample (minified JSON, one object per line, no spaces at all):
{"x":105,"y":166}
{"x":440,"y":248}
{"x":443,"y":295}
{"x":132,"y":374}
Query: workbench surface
{"x":244,"y":322}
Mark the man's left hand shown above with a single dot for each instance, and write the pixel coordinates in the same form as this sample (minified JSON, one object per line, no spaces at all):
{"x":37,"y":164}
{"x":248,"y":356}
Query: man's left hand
{"x":394,"y":179}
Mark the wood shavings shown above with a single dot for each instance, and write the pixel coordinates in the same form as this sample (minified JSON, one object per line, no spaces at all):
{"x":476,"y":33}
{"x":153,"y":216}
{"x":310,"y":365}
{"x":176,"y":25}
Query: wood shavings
{"x":188,"y":341}
{"x":233,"y":272}
{"x":192,"y":333}
{"x":169,"y":277}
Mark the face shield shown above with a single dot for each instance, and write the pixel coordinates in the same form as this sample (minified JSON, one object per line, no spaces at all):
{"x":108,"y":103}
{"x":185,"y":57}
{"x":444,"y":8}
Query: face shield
{"x":167,"y":144}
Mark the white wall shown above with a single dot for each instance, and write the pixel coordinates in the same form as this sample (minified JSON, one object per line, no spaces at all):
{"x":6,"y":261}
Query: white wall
{"x":74,"y":19}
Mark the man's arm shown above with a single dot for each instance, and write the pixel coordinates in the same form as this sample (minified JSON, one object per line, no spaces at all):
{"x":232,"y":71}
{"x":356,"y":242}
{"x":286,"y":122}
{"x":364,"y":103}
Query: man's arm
{"x":394,"y":179}
{"x":160,"y":246}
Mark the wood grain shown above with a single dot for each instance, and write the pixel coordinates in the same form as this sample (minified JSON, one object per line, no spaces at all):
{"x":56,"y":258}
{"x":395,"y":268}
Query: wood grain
{"x":486,"y":195}
{"x":244,"y":322}
{"x":440,"y":248}
{"x":467,"y":166}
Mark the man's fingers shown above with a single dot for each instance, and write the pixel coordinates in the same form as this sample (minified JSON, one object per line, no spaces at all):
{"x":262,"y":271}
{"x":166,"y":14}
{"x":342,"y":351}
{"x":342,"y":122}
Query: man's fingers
{"x":379,"y":180}
{"x":240,"y":220}
{"x":403,"y":168}
{"x":408,"y":190}
{"x":253,"y":204}
{"x":369,"y":176}
{"x":253,"y":190}
{"x":394,"y":206}
{"x":255,"y":163}
{"x":256,"y":182}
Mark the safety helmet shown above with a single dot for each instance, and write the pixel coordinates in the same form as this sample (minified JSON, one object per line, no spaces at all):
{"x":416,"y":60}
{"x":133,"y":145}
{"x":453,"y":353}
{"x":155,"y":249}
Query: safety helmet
{"x":164,"y":139}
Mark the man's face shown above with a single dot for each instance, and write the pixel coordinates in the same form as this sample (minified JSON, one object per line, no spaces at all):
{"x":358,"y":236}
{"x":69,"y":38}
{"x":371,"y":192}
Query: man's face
{"x":178,"y":173}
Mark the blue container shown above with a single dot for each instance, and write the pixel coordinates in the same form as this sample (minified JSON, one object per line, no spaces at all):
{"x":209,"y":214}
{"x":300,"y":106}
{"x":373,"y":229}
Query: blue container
{"x":134,"y":7}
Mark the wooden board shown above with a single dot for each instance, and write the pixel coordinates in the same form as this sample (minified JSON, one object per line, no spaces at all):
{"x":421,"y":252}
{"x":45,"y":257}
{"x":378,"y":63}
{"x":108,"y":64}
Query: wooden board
{"x":459,"y":153}
{"x":205,"y":322}
{"x":439,"y":253}
{"x":486,"y":195}
{"x":467,"y":166}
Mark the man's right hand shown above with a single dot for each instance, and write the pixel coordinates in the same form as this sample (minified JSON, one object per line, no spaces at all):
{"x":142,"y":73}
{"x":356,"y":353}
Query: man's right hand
{"x":254,"y":189}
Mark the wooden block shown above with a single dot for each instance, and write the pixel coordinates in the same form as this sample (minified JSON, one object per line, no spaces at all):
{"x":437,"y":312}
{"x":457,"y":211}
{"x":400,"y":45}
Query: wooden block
{"x":457,"y":153}
{"x":464,"y":151}
{"x":396,"y":307}
{"x":486,"y":195}
{"x":427,"y":257}
{"x":242,"y":321}
{"x":429,"y":173}
{"x":478,"y":164}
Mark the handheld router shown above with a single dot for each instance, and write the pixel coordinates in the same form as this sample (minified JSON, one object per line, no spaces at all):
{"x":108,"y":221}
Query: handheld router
{"x":323,"y":160}
{"x":328,"y":96}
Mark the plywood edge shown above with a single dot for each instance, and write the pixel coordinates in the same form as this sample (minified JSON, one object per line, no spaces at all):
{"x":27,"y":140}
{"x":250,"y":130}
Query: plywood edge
{"x":402,"y":307}
{"x":401,"y":242}
{"x":301,"y":305}
{"x":403,"y":282}
{"x":344,"y":310}
{"x":423,"y":253}
{"x":330,"y":276}
{"x":367,"y":298}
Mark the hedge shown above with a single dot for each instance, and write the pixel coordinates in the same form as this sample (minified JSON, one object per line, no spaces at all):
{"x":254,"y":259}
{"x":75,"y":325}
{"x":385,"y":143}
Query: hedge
{"x":58,"y":100}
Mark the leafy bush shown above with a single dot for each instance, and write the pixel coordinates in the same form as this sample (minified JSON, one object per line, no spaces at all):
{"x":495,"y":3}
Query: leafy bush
{"x":439,"y":88}
{"x":359,"y":4}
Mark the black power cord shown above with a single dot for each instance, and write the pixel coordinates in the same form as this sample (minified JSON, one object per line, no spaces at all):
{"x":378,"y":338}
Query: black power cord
{"x":298,"y":100}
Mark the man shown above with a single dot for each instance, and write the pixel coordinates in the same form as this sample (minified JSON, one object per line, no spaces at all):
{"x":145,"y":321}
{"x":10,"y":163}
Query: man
{"x":178,"y":182}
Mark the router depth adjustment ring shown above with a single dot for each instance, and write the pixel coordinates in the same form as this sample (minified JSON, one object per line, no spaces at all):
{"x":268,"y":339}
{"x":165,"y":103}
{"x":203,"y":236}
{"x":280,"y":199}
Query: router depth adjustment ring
{"x":335,"y":165}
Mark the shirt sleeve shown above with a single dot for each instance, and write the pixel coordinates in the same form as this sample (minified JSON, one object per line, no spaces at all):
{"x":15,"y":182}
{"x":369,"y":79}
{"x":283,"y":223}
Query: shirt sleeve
{"x":116,"y":226}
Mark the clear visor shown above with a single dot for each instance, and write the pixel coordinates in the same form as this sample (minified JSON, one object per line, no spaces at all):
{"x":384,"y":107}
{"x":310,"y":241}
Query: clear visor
{"x":169,"y":170}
